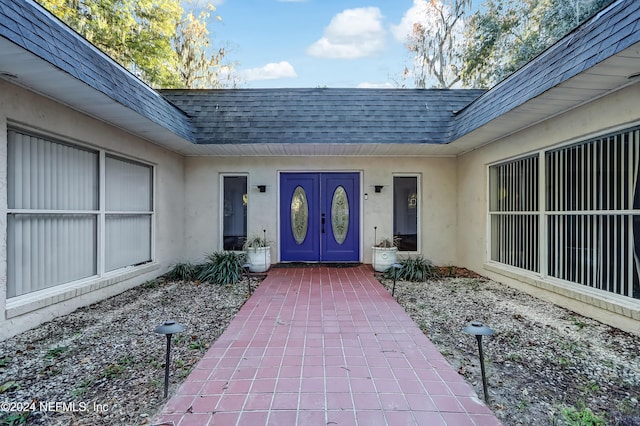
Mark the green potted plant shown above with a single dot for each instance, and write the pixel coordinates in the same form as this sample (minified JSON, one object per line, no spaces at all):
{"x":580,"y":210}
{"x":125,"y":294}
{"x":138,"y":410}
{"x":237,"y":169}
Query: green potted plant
{"x":258,"y":252}
{"x":385,"y":254}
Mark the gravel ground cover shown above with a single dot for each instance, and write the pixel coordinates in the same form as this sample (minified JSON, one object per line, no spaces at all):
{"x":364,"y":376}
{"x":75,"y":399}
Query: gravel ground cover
{"x":103,"y":365}
{"x":545,"y":365}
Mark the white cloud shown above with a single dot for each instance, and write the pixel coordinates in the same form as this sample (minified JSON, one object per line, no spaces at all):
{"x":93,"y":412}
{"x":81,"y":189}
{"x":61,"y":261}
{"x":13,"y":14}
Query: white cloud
{"x":270,"y":71}
{"x":352,"y":33}
{"x":367,"y":85}
{"x":416,"y":13}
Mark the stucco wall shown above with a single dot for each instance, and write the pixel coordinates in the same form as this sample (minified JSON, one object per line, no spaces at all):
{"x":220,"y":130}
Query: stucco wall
{"x":437,"y":203}
{"x":31,"y":111}
{"x":615,"y":111}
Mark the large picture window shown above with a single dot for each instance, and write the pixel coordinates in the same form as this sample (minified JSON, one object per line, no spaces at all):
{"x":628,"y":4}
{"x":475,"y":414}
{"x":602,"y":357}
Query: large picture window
{"x":57,"y":230}
{"x":591,"y":213}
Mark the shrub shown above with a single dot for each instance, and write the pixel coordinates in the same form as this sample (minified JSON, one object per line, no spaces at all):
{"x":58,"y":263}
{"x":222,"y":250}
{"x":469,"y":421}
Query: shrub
{"x":222,"y":268}
{"x":414,"y":269}
{"x":182,"y":272}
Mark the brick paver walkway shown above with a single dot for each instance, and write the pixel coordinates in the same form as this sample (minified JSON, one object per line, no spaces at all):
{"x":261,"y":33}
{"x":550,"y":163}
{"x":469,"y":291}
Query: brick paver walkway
{"x":324,"y":346}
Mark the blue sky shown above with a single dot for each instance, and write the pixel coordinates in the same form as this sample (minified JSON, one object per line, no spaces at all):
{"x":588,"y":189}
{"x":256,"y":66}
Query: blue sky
{"x":315,"y":43}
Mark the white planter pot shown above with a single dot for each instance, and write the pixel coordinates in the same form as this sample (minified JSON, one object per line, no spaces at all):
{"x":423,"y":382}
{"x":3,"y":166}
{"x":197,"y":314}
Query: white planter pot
{"x":259,"y":259}
{"x":384,"y":257}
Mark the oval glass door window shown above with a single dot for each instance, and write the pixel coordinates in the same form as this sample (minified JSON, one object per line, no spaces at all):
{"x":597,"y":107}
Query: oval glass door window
{"x":299,"y":215}
{"x":340,"y":214}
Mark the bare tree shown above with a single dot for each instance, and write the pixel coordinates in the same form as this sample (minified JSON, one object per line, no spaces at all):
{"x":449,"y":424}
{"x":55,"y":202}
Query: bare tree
{"x":200,"y":66}
{"x":436,"y":43}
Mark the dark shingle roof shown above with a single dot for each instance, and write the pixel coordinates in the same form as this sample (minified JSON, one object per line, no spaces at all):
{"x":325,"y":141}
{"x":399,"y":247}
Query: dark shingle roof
{"x":33,"y":28}
{"x":609,"y":32}
{"x":322,"y":115}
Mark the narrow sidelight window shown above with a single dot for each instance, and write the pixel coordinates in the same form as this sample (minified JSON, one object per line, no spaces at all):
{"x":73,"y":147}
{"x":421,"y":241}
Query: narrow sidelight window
{"x":234,"y":212}
{"x":405,"y":212}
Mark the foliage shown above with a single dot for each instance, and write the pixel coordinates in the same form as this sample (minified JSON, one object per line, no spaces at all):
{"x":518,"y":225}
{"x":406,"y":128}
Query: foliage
{"x":222,"y":268}
{"x":56,"y":352}
{"x":135,"y":33}
{"x":506,"y":34}
{"x":154,"y":39}
{"x":436,"y":43}
{"x":114,"y":370}
{"x":150,"y":284}
{"x":255,"y":242}
{"x":9,"y":386}
{"x":15,"y":418}
{"x":82,"y":388}
{"x":582,"y":417}
{"x":197,"y":67}
{"x":198,"y":345}
{"x":388,"y":242}
{"x":183,"y":271}
{"x":417,"y":269}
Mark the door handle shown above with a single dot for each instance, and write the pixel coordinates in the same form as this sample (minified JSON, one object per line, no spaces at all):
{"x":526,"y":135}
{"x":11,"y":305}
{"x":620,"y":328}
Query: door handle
{"x":322,"y":220}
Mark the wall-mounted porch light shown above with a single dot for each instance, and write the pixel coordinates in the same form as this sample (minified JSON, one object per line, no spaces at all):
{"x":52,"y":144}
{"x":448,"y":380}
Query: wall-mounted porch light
{"x":378,"y":188}
{"x":262,"y":188}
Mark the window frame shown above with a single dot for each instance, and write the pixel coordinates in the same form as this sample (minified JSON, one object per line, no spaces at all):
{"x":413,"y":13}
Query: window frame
{"x":545,"y":213}
{"x":106,"y":212}
{"x":418,"y":177}
{"x":509,"y":209}
{"x":221,"y":186}
{"x":100,"y":212}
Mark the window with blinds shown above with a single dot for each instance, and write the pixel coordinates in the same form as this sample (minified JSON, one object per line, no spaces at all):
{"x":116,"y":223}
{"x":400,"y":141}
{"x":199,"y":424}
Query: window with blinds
{"x":55,"y":219}
{"x":128,"y":205}
{"x":591,"y":213}
{"x":514,"y":213}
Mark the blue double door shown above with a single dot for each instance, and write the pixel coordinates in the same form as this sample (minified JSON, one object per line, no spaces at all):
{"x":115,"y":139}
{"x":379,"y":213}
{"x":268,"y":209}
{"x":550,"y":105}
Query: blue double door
{"x":320,"y":215}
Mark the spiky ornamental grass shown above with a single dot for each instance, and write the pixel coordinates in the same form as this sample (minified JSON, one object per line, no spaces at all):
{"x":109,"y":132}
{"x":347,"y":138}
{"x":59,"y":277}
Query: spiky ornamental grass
{"x":223,"y":267}
{"x":182,"y":272}
{"x":417,"y":269}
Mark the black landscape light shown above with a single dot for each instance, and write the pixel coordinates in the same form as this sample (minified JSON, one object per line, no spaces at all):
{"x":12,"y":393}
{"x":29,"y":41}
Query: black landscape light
{"x":478,"y":329}
{"x":396,"y":267}
{"x":247,"y":273}
{"x":169,"y":328}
